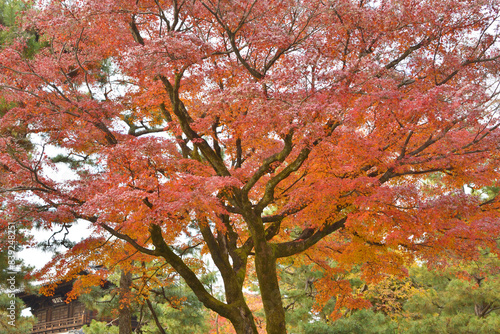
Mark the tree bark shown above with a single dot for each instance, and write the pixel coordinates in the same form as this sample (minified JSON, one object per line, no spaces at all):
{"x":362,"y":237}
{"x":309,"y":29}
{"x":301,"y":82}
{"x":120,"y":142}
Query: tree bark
{"x":237,"y":311}
{"x":243,"y":322}
{"x":265,"y":266}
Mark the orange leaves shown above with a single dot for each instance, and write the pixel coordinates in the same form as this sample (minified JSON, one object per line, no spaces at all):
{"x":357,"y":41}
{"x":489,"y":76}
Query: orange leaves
{"x":83,"y":285}
{"x":48,"y":290}
{"x":341,"y":290}
{"x":360,"y":120}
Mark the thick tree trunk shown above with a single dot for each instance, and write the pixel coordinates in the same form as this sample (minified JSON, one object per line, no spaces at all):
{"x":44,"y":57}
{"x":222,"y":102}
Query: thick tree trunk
{"x":265,"y":266}
{"x":244,"y":323}
{"x":125,"y":313}
{"x":236,"y":309}
{"x":241,"y":317}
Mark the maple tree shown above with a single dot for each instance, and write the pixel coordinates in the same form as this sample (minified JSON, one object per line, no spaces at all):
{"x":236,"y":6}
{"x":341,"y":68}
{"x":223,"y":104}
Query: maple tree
{"x":234,"y":125}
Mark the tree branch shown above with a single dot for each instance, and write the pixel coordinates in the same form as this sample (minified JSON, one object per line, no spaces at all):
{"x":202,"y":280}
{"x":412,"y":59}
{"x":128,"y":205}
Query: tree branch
{"x":271,"y":185}
{"x":163,"y":250}
{"x":264,"y":168}
{"x":290,"y":248}
{"x":129,"y":240}
{"x":184,"y":119}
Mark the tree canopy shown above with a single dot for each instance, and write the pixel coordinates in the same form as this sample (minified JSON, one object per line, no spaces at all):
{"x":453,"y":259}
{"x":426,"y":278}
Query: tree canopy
{"x":339,"y":133}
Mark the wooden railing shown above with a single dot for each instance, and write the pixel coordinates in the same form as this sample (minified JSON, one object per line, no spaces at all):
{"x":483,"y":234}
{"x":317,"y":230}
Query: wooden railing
{"x":61,"y":325}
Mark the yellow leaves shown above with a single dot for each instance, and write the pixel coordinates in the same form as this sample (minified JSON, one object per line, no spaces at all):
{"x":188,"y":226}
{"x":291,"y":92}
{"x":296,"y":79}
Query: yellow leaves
{"x":389,"y":295}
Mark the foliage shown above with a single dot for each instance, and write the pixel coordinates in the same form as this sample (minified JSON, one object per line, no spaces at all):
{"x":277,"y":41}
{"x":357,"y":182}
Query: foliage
{"x":229,"y":127}
{"x":11,"y":17}
{"x":301,"y":284}
{"x":176,"y":307}
{"x":12,"y":281}
{"x":18,"y":325}
{"x":390,"y":295}
{"x":360,"y":322}
{"x":463,"y":298}
{"x":12,"y":232}
{"x":188,"y":317}
{"x":99,"y":327}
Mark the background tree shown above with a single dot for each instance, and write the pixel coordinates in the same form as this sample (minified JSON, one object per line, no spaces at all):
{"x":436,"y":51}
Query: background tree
{"x":229,"y":126}
{"x":19,"y":324}
{"x":463,"y":299}
{"x":13,"y":235}
{"x":170,"y":308}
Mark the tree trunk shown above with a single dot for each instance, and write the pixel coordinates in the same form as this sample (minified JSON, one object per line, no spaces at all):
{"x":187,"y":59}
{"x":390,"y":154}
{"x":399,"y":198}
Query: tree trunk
{"x":243,"y":323}
{"x":265,"y":266}
{"x":125,"y":313}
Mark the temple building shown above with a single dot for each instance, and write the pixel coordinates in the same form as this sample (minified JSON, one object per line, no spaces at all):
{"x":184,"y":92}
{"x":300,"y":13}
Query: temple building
{"x":54,"y":315}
